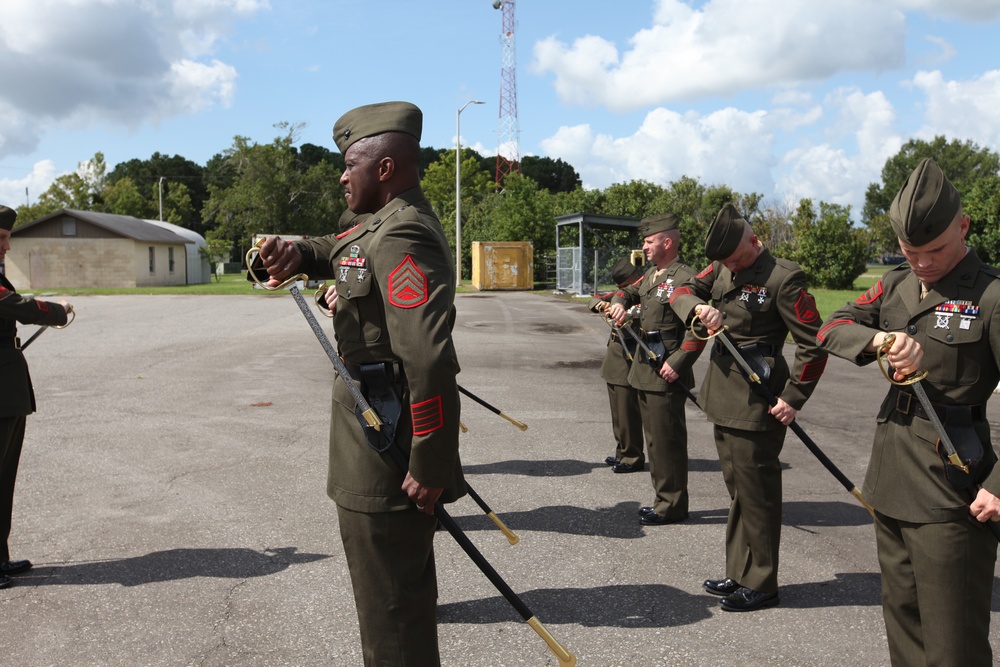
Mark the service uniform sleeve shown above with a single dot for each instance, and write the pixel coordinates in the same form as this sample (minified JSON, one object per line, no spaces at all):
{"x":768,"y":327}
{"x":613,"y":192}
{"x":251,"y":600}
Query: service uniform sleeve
{"x":850,"y":329}
{"x":798,"y":311}
{"x":416,"y":280}
{"x":27,"y":310}
{"x":695,"y":291}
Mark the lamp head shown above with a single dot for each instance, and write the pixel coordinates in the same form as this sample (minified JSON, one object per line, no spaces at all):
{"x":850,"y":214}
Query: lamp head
{"x":497,"y":4}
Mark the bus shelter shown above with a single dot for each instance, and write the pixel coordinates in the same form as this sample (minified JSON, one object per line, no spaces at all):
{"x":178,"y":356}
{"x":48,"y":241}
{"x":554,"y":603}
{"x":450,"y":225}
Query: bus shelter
{"x":587,"y":247}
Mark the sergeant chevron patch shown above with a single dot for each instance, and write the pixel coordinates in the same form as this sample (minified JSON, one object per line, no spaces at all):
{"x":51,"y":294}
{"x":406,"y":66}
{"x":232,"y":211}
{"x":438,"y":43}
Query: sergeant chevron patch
{"x":407,"y":285}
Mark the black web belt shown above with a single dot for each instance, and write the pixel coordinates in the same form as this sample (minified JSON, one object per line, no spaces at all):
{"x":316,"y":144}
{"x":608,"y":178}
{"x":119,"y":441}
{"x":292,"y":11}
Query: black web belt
{"x":908,"y":404}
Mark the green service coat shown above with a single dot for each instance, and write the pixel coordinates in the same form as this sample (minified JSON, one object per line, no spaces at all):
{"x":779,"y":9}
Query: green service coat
{"x":395,"y":284}
{"x":761,"y":304}
{"x":958,"y":326}
{"x":17,"y":396}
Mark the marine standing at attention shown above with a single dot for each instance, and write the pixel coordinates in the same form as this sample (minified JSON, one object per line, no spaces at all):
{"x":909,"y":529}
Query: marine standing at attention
{"x":393,"y":315}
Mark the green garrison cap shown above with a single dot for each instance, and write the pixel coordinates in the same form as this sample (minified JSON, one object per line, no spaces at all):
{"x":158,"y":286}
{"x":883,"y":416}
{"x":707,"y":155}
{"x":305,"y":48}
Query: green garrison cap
{"x":725,"y":233}
{"x":925,"y":206}
{"x":624,"y":271}
{"x":7,"y":217}
{"x":372,"y":119}
{"x":655,"y":224}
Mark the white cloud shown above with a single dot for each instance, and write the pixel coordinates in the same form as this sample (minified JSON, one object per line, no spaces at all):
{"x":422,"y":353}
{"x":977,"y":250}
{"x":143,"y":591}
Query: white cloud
{"x":725,"y":47}
{"x":970,"y":10}
{"x":961,"y":109}
{"x":728,"y":146}
{"x":12,"y":189}
{"x":127,"y":62}
{"x":860,"y":138}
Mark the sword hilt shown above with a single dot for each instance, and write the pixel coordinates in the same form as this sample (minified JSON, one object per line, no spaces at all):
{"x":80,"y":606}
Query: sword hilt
{"x":290,"y":280}
{"x":883,"y":363}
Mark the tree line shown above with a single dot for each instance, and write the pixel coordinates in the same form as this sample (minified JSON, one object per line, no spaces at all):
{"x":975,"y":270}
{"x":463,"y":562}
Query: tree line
{"x":285,"y":188}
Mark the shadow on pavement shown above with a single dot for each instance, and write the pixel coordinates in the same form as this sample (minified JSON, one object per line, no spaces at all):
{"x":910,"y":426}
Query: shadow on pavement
{"x":624,"y":606}
{"x":169,"y":565}
{"x":566,"y":467}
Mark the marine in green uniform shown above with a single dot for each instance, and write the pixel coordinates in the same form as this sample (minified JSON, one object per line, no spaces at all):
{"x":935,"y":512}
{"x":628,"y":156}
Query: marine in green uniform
{"x":937,"y":563}
{"x":626,"y":422}
{"x":17,"y":398}
{"x":661,"y":400}
{"x":761,"y":299}
{"x":394,"y":309}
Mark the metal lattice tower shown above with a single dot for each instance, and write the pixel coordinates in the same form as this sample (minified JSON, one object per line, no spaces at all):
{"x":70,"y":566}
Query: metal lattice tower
{"x":508,"y":151}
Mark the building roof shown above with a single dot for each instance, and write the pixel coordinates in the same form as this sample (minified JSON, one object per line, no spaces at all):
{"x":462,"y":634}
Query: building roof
{"x":123,"y":225}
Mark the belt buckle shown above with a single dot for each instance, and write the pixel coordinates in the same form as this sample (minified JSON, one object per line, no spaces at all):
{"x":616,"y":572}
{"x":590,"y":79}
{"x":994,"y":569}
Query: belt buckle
{"x":904,"y":406}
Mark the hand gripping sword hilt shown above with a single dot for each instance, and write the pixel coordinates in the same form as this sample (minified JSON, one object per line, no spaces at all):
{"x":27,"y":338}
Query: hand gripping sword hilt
{"x":290,"y":280}
{"x":883,"y":364}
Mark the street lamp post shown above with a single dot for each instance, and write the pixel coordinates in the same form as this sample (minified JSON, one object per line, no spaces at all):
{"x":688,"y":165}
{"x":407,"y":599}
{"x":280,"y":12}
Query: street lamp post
{"x":458,"y":190}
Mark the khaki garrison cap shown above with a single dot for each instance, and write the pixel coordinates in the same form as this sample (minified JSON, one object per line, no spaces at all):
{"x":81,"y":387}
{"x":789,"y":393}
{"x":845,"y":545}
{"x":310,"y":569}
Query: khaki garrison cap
{"x":7,"y":217}
{"x":925,"y":206}
{"x":655,"y":224}
{"x":624,"y":271}
{"x":725,"y":233}
{"x":372,"y":119}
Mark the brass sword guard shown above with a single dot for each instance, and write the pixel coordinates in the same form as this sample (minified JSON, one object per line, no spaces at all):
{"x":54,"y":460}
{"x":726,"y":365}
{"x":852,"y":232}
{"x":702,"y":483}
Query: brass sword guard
{"x":70,"y":315}
{"x":695,"y":320}
{"x":883,"y":364}
{"x":317,"y":297}
{"x":290,"y":280}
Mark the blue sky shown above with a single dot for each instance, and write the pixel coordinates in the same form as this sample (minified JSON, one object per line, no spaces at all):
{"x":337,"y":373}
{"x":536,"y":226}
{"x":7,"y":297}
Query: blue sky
{"x":789,"y":98}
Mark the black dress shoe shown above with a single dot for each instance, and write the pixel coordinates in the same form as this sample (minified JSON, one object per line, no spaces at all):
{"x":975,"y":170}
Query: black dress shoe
{"x":15,"y":567}
{"x":628,"y":467}
{"x":612,"y":461}
{"x":5,"y":581}
{"x":654,"y":519}
{"x":720,"y":586}
{"x":646,"y":511}
{"x":746,"y":599}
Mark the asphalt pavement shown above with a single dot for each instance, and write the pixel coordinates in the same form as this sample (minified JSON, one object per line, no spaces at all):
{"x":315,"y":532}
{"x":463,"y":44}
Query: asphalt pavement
{"x":172,"y":497}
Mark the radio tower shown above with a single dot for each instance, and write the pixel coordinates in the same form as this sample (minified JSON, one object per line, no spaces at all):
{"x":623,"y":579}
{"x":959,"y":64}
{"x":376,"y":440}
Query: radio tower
{"x":508,"y":153}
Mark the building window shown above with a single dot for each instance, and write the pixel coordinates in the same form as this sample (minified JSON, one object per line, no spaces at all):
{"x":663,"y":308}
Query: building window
{"x":170,"y":259}
{"x":69,"y":227}
{"x":152,"y":259}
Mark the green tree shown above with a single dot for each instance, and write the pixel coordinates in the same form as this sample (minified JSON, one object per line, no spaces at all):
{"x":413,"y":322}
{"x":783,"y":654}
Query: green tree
{"x":881,"y":236}
{"x":519,"y":212}
{"x":964,"y":162}
{"x":122,"y":197}
{"x":438,"y":185}
{"x":553,"y":175}
{"x":271,"y":193}
{"x":829,"y":249}
{"x":166,"y":173}
{"x":982,"y":205}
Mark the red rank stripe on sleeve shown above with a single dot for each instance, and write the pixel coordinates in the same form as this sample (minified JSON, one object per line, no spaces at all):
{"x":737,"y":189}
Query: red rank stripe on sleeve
{"x":830,"y":325}
{"x":693,"y":345}
{"x":678,"y":291}
{"x":813,"y":370}
{"x":873,"y":293}
{"x":706,"y":271}
{"x":428,"y":416}
{"x":4,"y":292}
{"x":805,"y":308}
{"x":43,"y":306}
{"x":407,"y":285}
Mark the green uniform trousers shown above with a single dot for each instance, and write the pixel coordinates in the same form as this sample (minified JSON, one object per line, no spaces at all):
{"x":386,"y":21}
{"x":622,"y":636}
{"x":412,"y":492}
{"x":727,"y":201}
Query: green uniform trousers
{"x":390,"y":556}
{"x":665,"y":425}
{"x":11,"y":439}
{"x":937,"y":582}
{"x":752,"y":472}
{"x":626,"y":424}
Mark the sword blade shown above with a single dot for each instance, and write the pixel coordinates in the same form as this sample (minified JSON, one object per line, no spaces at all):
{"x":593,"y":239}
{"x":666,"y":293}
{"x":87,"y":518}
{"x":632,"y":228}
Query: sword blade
{"x":34,"y":336}
{"x":932,"y":415}
{"x":366,"y":410}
